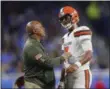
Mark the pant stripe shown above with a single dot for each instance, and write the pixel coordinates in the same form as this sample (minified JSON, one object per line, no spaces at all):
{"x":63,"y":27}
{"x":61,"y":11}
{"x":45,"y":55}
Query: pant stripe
{"x":87,"y":79}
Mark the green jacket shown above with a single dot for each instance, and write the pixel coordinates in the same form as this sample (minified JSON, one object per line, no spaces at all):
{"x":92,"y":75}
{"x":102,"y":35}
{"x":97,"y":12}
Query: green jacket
{"x":37,"y":64}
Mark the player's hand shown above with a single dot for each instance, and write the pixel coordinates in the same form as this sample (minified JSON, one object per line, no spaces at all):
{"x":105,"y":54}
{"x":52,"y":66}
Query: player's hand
{"x":72,"y":68}
{"x":61,"y":85}
{"x":66,"y":55}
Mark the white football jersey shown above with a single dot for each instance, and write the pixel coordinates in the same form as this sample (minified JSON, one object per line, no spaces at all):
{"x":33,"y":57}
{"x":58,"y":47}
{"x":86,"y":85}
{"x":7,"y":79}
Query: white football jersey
{"x":77,"y":42}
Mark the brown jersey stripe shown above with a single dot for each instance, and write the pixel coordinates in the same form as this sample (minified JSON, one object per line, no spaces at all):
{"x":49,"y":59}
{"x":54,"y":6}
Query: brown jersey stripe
{"x":87,"y":79}
{"x":84,"y":32}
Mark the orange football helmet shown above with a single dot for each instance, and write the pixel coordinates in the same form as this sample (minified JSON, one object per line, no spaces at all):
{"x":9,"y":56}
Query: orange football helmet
{"x":68,"y":16}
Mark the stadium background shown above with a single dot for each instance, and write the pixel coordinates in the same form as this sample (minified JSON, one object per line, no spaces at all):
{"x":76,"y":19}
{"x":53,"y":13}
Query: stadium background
{"x":15,"y":15}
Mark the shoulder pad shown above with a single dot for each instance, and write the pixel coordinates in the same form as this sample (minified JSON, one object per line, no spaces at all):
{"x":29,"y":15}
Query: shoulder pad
{"x":83,"y":30}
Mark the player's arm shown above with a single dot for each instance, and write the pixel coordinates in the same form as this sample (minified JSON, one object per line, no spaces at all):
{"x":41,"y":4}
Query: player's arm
{"x":61,"y":83}
{"x":62,"y":74}
{"x":84,"y":38}
{"x":63,"y":69}
{"x":86,"y":45}
{"x":87,"y":57}
{"x":43,"y":59}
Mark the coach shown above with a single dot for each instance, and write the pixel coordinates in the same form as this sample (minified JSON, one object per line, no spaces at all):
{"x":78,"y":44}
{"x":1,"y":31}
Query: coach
{"x":38,"y":66}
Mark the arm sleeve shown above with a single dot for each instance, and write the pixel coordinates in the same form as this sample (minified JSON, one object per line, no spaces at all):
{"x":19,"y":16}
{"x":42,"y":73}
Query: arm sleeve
{"x":43,"y":59}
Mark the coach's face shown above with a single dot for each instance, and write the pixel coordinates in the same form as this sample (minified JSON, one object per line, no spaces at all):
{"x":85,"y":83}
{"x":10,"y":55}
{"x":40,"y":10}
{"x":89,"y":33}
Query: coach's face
{"x":39,"y":30}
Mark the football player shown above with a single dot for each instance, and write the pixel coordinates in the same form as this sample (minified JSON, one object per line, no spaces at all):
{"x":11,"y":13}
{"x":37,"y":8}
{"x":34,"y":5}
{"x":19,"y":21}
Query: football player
{"x":76,"y":72}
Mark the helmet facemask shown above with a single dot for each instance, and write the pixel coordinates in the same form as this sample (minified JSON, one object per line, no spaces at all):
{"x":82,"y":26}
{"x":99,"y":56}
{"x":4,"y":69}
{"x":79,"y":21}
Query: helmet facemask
{"x":66,"y":21}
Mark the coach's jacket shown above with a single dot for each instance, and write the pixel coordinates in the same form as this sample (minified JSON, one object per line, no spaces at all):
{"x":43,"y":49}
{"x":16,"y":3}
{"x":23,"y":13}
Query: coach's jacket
{"x":38,"y":66}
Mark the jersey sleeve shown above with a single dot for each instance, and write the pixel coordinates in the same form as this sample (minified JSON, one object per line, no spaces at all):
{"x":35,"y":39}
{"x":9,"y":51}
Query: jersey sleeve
{"x":41,"y":58}
{"x":62,"y":46}
{"x":84,"y":36}
{"x":86,"y":43}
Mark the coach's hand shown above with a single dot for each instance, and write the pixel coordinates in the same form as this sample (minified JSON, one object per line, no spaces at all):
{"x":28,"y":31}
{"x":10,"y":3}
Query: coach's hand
{"x":72,"y":68}
{"x":66,"y":55}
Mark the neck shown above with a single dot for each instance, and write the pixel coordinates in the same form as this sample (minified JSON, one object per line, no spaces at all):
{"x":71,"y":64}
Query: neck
{"x":73,"y":27}
{"x":36,"y":37}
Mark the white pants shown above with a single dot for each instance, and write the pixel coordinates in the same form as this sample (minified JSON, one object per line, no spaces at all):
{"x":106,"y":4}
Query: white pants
{"x":78,"y":80}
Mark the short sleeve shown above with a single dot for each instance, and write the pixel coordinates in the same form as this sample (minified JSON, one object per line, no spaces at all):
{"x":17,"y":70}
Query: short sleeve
{"x":84,"y":35}
{"x":62,"y":44}
{"x":85,"y":42}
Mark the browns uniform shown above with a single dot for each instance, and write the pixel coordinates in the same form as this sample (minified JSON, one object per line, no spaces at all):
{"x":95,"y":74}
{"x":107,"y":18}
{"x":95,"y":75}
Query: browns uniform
{"x":77,"y":42}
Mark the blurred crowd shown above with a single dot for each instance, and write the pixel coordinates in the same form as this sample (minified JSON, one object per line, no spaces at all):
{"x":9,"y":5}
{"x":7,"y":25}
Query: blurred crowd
{"x":15,"y":16}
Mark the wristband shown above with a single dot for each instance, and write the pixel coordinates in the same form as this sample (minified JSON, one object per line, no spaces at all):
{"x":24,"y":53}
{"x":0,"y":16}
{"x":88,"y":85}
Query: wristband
{"x":78,"y":63}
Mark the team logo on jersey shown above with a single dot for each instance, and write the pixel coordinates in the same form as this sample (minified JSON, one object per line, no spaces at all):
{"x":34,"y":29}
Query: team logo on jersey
{"x":38,"y":56}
